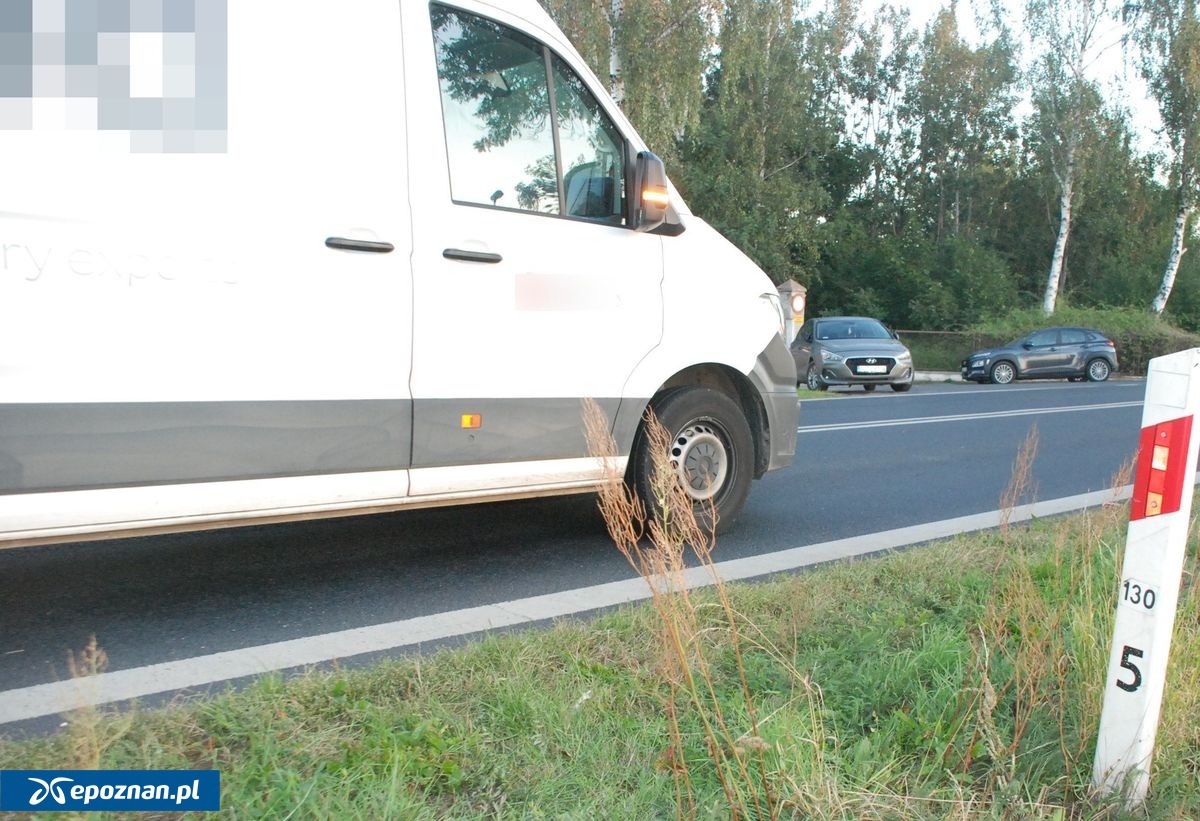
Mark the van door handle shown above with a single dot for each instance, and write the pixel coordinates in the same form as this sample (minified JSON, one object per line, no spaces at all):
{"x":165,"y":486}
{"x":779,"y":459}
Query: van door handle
{"x":471,"y":256}
{"x":347,"y":244}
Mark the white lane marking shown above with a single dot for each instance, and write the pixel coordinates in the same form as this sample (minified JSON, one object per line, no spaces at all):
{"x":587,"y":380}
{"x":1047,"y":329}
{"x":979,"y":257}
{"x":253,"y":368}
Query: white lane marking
{"x":964,"y":417}
{"x":939,"y":387}
{"x":120,"y":685}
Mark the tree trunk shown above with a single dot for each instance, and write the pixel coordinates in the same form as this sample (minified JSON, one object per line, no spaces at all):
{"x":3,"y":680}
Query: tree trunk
{"x":616,"y":86}
{"x":1050,"y":298}
{"x":1177,"y":251}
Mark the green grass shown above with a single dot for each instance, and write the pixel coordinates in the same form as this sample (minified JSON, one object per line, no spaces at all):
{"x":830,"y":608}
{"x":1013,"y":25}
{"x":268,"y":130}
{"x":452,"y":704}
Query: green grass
{"x":939,"y":351}
{"x":1113,"y":321}
{"x":960,"y":680}
{"x":805,"y":393}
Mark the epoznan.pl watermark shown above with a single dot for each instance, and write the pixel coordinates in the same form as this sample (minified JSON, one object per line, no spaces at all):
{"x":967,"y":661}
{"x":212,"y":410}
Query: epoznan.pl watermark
{"x":95,"y":790}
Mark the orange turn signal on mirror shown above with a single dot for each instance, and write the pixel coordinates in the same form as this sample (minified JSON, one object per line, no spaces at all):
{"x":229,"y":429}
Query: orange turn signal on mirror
{"x":656,"y":196}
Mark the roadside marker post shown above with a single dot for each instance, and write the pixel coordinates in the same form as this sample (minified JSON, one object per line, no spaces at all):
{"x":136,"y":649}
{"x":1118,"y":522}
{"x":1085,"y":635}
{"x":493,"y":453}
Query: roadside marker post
{"x":1152,"y":571}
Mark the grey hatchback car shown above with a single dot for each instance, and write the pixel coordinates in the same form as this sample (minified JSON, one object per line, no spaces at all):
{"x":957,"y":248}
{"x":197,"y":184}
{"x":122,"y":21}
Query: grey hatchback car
{"x":1051,"y":353}
{"x":851,"y":350}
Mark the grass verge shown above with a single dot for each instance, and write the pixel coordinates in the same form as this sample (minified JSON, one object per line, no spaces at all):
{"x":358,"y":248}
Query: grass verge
{"x":961,"y":680}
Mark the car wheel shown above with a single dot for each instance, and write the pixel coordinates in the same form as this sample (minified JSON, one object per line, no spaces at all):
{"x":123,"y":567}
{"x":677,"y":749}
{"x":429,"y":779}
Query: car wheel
{"x":711,"y":453}
{"x":868,"y":388}
{"x":901,"y":387}
{"x":814,"y":381}
{"x":1003,"y":373}
{"x":1098,"y":370}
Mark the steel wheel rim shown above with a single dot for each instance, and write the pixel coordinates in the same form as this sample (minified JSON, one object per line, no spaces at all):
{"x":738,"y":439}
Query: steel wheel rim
{"x":701,"y":461}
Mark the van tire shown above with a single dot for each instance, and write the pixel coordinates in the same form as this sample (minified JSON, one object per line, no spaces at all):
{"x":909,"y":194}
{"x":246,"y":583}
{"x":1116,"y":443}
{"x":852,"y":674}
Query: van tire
{"x":710,"y":442}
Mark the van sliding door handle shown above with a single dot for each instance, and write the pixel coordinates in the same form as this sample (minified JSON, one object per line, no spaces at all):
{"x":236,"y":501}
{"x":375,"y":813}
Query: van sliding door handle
{"x":347,"y":244}
{"x":471,"y":256}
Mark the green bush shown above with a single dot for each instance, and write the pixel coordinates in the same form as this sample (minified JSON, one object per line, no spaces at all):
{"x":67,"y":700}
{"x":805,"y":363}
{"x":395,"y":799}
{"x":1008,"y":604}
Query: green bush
{"x":1138,"y":335}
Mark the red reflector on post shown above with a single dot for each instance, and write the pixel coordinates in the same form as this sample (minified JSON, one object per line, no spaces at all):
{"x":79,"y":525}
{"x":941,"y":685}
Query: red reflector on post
{"x":1162,"y":457}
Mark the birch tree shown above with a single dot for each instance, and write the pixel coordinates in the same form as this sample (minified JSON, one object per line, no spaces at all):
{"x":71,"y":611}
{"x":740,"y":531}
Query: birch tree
{"x":1167,"y":34}
{"x":1069,"y":33}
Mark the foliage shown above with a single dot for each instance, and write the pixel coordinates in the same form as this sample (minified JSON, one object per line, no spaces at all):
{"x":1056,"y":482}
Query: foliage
{"x":658,"y":48}
{"x":1168,"y":32}
{"x":662,"y":95}
{"x":1139,"y":337}
{"x":963,"y":101}
{"x":900,"y":172}
{"x":751,"y":166}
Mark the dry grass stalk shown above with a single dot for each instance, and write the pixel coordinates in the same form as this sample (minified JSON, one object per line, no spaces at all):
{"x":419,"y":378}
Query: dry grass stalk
{"x":656,"y":546}
{"x":1021,"y":484}
{"x":1039,"y":647}
{"x":91,"y":730}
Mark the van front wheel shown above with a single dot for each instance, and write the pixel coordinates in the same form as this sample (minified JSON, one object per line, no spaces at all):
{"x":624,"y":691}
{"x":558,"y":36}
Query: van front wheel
{"x":710,"y":453}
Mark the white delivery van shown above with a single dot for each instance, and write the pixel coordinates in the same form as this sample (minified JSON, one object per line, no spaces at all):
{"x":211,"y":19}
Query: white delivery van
{"x":269,"y":260}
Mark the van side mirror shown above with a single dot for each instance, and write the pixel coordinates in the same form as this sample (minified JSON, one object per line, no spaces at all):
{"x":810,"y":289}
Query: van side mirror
{"x":650,"y":192}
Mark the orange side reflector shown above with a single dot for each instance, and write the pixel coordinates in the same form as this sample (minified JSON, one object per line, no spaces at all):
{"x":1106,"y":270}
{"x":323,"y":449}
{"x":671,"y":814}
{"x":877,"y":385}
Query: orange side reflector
{"x":472,"y":421}
{"x":1153,"y":504}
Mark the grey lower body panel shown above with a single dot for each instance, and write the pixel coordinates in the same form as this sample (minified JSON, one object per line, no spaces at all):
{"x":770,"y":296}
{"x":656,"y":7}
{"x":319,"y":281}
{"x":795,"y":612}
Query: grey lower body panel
{"x":774,"y":375}
{"x":77,"y":446}
{"x":511,"y":430}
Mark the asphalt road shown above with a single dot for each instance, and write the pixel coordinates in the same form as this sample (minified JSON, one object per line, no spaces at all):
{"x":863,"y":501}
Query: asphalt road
{"x":866,"y":464}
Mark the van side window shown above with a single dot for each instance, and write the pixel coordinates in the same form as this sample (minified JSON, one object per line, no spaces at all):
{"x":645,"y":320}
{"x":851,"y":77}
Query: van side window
{"x":592,"y":150}
{"x":522,"y":129}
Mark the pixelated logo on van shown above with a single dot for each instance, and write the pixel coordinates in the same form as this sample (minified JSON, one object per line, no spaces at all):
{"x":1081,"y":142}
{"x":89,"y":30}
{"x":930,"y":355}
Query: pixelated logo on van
{"x":156,"y":69}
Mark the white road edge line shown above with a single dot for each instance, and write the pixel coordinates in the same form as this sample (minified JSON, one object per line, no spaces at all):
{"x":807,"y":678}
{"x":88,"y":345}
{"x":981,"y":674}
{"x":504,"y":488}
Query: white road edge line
{"x":63,"y":696}
{"x":964,"y":417}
